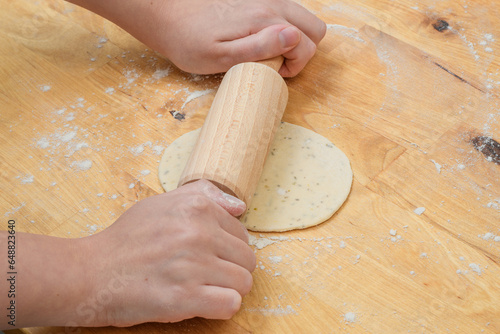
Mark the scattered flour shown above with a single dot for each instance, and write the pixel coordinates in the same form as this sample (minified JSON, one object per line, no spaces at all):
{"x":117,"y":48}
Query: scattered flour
{"x":350,"y":317}
{"x":43,"y":143}
{"x":159,"y":74}
{"x":91,"y":229}
{"x":475,"y":268}
{"x":438,"y":166}
{"x":495,"y":204}
{"x":109,"y":90}
{"x":278,"y":311}
{"x":145,"y":172}
{"x":67,"y":136}
{"x":157,"y":149}
{"x":70,"y":117}
{"x":45,"y":88}
{"x":65,"y":140}
{"x":489,"y":236}
{"x":489,"y":37}
{"x":195,"y":95}
{"x":259,"y":243}
{"x":346,"y":32}
{"x":27,"y":179}
{"x":60,"y":111}
{"x":419,"y":210}
{"x":14,"y":210}
{"x":82,"y":165}
{"x":275,"y":259}
{"x":137,"y":149}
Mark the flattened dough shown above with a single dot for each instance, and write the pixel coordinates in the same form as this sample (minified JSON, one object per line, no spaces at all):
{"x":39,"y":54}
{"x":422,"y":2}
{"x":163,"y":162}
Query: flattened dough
{"x":304,"y":182}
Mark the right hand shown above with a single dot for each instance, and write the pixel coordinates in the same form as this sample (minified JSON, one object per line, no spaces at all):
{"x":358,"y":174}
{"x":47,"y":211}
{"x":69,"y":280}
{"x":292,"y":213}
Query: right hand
{"x":181,"y":255}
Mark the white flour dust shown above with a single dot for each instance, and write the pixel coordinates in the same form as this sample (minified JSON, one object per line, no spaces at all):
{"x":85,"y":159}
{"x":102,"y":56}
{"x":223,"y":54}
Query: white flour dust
{"x":195,"y":95}
{"x":82,"y":165}
{"x":346,"y":32}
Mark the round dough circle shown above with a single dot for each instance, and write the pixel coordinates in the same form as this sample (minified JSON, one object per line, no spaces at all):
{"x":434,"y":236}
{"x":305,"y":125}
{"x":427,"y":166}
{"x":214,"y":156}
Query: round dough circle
{"x":305,"y":179}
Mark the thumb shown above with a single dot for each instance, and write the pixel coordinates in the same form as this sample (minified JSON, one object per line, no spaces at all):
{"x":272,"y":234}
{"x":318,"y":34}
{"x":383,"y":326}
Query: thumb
{"x":231,"y":204}
{"x":269,"y":42}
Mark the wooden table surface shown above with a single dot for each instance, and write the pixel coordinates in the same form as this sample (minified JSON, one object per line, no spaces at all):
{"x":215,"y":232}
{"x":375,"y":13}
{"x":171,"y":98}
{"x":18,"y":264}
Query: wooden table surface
{"x":409,"y":90}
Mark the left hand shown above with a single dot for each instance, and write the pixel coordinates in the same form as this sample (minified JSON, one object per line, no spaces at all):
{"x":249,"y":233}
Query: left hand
{"x":210,"y":36}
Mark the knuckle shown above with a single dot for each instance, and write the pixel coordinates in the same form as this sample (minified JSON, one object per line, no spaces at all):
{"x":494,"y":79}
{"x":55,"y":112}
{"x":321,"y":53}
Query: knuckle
{"x":311,"y":50}
{"x":322,"y":31}
{"x":233,"y":306}
{"x":194,"y":238}
{"x":247,"y":284}
{"x":179,"y":292}
{"x":260,"y":12}
{"x":199,"y":203}
{"x":227,"y":60}
{"x":252,"y":261}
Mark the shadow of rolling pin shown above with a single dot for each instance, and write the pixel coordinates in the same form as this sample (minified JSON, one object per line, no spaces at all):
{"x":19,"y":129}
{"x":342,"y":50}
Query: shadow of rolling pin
{"x":239,"y":129}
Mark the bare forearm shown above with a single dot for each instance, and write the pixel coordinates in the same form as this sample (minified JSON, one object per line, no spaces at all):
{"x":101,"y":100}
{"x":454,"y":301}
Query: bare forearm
{"x":50,"y":281}
{"x":135,"y":16}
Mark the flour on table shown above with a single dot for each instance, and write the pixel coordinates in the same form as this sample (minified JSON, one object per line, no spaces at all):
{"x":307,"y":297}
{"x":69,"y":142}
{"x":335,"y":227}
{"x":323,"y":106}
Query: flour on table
{"x":27,"y":179}
{"x":195,"y":95}
{"x":82,"y":165}
{"x":350,"y":317}
{"x":438,"y":166}
{"x":305,"y":179}
{"x":160,"y":74}
{"x":419,"y":210}
{"x":259,"y":243}
{"x":275,"y":259}
{"x":475,"y":268}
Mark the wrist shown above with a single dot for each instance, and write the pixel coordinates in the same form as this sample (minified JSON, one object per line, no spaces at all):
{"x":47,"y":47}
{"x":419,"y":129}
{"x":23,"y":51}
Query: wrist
{"x":98,"y":285}
{"x":53,"y":280}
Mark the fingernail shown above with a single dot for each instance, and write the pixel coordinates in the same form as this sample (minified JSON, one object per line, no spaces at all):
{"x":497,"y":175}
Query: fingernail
{"x":289,"y":37}
{"x":232,"y":200}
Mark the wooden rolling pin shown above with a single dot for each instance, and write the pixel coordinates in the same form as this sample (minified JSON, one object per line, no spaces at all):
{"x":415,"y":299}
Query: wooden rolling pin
{"x":239,"y":129}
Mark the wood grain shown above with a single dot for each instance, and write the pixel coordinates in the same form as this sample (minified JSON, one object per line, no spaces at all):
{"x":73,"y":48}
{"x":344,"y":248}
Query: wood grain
{"x":86,"y":111}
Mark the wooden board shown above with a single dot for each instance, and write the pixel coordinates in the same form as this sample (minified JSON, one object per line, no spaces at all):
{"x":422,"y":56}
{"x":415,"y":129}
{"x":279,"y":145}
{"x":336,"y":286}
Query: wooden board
{"x":86,"y":111}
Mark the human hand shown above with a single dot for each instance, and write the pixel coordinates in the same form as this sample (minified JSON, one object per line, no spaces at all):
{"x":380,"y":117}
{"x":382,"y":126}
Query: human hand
{"x":179,"y":255}
{"x":210,"y":36}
